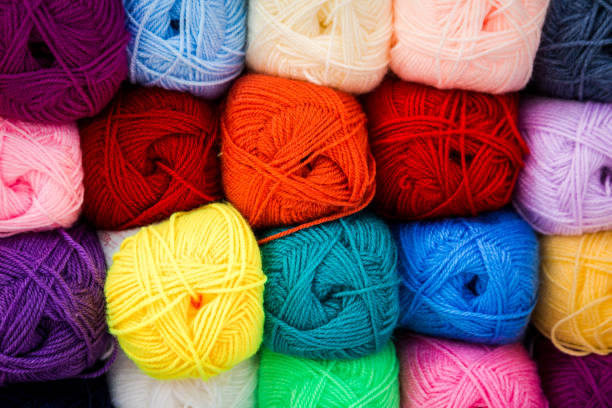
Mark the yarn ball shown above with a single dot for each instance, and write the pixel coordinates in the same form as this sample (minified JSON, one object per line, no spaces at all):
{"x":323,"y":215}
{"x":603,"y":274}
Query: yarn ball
{"x":296,"y":382}
{"x":573,"y":382}
{"x":52,"y":306}
{"x":151,"y":153}
{"x":484,"y":46}
{"x":304,"y":146}
{"x":41,"y":176}
{"x":574,"y":59}
{"x":308,"y":41}
{"x":472,"y":279}
{"x":131,"y":388}
{"x":332,"y":289}
{"x":60,"y":60}
{"x":185,"y":296}
{"x":566,"y":184}
{"x":442,"y":373}
{"x":442,"y":153}
{"x":575,"y":305}
{"x":194,"y":46}
{"x":74,"y":393}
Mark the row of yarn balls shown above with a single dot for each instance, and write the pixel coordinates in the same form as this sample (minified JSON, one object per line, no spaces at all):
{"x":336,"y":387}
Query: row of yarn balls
{"x":61,"y":61}
{"x":338,"y":280}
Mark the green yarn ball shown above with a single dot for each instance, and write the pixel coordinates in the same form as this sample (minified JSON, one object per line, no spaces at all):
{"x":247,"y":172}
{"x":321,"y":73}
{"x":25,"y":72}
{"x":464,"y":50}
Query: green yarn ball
{"x":295,"y":382}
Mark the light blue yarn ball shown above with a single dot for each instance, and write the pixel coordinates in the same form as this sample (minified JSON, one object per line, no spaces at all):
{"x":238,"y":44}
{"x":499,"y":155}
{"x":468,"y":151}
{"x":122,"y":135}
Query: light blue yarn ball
{"x":195,"y":46}
{"x":471,"y":279}
{"x":332,"y":289}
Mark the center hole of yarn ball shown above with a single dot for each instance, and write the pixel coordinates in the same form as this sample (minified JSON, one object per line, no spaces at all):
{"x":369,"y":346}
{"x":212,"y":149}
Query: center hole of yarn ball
{"x":41,"y":53}
{"x":605,"y":176}
{"x":175,"y":25}
{"x":197,"y":302}
{"x":475,"y":286}
{"x":455,"y":156}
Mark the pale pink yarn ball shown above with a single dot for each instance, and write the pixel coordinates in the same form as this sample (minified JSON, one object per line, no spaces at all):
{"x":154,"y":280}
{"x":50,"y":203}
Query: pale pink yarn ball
{"x":480,"y":45}
{"x":442,"y":373}
{"x":41,"y":176}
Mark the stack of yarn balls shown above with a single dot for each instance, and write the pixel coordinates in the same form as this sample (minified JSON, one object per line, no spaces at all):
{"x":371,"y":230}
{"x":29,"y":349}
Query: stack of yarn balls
{"x":291,"y":203}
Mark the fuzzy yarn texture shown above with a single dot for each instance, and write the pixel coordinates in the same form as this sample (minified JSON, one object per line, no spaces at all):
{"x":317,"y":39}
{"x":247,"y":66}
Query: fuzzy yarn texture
{"x":151,"y":153}
{"x":41,"y":176}
{"x":303,"y":147}
{"x":60,"y":60}
{"x":295,"y":382}
{"x":442,"y":153}
{"x":307,"y":40}
{"x":74,"y":393}
{"x":131,"y":388}
{"x":52,"y":306}
{"x":574,"y":59}
{"x":484,"y":46}
{"x":185,"y":296}
{"x":471,"y":279}
{"x":194,"y":46}
{"x":566,"y":185}
{"x":332,"y":289}
{"x":573,"y":382}
{"x":442,"y":373}
{"x":575,"y":305}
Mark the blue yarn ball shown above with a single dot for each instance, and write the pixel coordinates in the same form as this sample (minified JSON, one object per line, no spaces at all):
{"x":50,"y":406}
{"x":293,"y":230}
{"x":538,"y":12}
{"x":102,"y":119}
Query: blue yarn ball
{"x":574,"y":60}
{"x":332,"y":289}
{"x":195,"y":46}
{"x":471,"y":279}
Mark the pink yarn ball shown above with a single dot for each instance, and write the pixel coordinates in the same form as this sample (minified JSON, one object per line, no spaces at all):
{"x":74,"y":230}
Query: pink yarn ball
{"x":41,"y":177}
{"x":565,"y":187}
{"x":442,"y":373}
{"x":485,"y":46}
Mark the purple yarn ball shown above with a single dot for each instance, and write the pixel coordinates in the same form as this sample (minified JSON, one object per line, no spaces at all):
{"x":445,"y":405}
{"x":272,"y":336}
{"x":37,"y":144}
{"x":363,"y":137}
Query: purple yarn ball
{"x":60,"y":60}
{"x":52,"y":319}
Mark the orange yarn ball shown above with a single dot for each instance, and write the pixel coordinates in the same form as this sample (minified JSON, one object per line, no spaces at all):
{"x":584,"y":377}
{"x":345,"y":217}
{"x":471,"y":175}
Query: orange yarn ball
{"x":294,"y":152}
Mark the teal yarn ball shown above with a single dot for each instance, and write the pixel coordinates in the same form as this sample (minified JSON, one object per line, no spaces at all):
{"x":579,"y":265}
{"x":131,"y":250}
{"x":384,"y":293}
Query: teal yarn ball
{"x":332,"y":289}
{"x":195,"y":46}
{"x":471,"y":279}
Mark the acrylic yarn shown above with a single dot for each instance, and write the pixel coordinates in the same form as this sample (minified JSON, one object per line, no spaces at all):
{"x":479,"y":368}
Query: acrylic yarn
{"x":303,"y":147}
{"x":484,"y":46}
{"x":294,"y":382}
{"x":566,"y":185}
{"x":151,"y":153}
{"x":307,"y":40}
{"x":332,"y":289}
{"x":41,"y":176}
{"x":575,"y":305}
{"x":52,"y":306}
{"x":442,"y":153}
{"x":60,"y":60}
{"x":194,"y":46}
{"x":185,"y":296}
{"x":472,"y":279}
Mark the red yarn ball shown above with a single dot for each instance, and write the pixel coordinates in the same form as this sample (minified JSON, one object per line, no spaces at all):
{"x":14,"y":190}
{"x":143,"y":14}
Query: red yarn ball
{"x":442,"y":153}
{"x":150,"y":153}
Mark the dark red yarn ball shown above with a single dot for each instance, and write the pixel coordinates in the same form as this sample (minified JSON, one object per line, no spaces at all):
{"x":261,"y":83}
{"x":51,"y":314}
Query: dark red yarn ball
{"x":442,"y":153}
{"x":150,"y":153}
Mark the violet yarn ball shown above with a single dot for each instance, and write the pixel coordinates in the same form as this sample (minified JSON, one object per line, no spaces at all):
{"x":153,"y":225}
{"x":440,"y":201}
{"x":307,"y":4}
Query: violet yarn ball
{"x":52,"y":314}
{"x":565,"y":187}
{"x":60,"y":60}
{"x":573,"y":382}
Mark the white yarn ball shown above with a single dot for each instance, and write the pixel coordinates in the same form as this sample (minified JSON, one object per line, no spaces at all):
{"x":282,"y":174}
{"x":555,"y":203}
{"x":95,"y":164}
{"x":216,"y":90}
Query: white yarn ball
{"x":337,"y":43}
{"x":131,"y":388}
{"x":111,"y":242}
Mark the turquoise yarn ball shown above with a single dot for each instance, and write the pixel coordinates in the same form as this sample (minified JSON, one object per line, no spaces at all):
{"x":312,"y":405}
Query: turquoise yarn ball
{"x":195,"y":46}
{"x":471,"y":279}
{"x":332,"y":289}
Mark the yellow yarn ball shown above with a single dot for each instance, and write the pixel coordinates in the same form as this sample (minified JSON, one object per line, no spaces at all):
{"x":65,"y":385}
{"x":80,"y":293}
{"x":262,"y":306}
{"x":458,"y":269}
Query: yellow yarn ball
{"x":185,"y":296}
{"x":336,"y":43}
{"x":575,"y":305}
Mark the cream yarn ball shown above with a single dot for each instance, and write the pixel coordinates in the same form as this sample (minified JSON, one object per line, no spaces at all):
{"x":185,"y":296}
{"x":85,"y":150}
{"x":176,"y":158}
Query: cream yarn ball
{"x":480,"y":45}
{"x":337,"y":43}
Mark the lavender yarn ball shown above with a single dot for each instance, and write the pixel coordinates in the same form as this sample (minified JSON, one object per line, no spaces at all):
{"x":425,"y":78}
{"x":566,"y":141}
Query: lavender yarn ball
{"x":60,"y":60}
{"x":52,"y":319}
{"x":565,"y":187}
